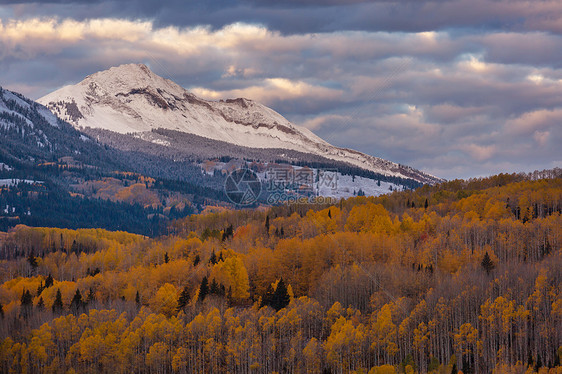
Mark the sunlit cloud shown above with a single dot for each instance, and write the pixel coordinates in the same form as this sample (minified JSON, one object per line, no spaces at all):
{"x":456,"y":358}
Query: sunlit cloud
{"x":273,"y":90}
{"x":450,"y":103}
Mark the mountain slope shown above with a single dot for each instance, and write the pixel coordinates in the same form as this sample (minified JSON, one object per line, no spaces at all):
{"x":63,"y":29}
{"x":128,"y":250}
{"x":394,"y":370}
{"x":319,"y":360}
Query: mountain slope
{"x":132,"y":99}
{"x":51,"y":174}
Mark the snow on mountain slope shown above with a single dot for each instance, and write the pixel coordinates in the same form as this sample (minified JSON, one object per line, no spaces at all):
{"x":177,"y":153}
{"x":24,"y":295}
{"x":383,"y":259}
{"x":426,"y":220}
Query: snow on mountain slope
{"x":22,"y":116}
{"x":132,"y":99}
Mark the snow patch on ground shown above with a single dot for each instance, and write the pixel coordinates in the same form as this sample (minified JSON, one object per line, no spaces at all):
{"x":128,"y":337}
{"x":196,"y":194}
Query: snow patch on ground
{"x":329,"y":183}
{"x":160,"y":141}
{"x":13,"y":182}
{"x":4,"y":109}
{"x":49,"y":116}
{"x":5,"y":167}
{"x":10,"y":96}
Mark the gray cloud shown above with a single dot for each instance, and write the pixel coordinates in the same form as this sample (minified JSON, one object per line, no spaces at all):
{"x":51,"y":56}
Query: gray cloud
{"x":297,"y":16}
{"x":449,"y":100}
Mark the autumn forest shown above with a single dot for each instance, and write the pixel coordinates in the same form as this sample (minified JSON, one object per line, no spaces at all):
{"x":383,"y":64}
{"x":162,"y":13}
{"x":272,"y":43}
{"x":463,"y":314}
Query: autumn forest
{"x":464,"y":276}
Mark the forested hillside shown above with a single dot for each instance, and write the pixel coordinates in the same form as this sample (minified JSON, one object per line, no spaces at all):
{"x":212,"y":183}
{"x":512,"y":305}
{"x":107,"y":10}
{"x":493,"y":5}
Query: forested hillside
{"x":462,"y":276}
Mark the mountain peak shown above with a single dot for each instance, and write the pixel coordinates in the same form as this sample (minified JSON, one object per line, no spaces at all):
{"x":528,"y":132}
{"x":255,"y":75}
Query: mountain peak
{"x":124,"y":69}
{"x":132,"y":99}
{"x":125,"y":77}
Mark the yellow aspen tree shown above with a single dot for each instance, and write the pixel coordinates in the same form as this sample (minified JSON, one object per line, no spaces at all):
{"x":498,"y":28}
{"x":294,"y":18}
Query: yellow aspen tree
{"x":165,"y":300}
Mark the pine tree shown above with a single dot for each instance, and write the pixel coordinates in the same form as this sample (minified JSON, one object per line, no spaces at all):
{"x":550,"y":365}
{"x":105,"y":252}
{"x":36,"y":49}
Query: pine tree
{"x":267,"y":224}
{"x":57,"y":304}
{"x":184,"y":298}
{"x":329,"y":213}
{"x":280,"y":297}
{"x":137,"y":299}
{"x":426,"y":204}
{"x":214,"y":289}
{"x":196,"y":260}
{"x":40,"y":289}
{"x":26,"y":304}
{"x":76,"y":304}
{"x":1,"y":310}
{"x":40,"y":304}
{"x":213,"y":259}
{"x":487,"y":263}
{"x":49,"y":281}
{"x":203,"y":289}
{"x":228,"y":233}
{"x":166,"y":258}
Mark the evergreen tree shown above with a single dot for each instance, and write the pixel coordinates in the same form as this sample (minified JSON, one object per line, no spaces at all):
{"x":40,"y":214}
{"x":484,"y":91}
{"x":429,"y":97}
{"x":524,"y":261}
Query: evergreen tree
{"x":487,"y":263}
{"x":213,"y":259}
{"x":280,"y":298}
{"x":40,"y":289}
{"x":184,"y":298}
{"x":214,"y":289}
{"x":75,"y":247}
{"x":26,"y":304}
{"x":267,"y":224}
{"x":203,"y":289}
{"x":137,"y":299}
{"x":57,"y":304}
{"x":40,"y":304}
{"x":426,"y":204}
{"x":1,"y":310}
{"x":197,"y":260}
{"x":76,"y":304}
{"x":49,"y":281}
{"x":166,"y":258}
{"x":228,"y":233}
{"x":329,"y":213}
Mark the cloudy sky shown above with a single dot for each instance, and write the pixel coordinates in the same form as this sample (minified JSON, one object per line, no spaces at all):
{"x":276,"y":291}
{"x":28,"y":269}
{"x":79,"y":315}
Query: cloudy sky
{"x":457,"y":88}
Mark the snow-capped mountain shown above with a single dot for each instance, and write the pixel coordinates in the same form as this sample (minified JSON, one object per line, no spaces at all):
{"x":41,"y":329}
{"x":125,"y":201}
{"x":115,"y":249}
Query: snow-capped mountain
{"x":132,"y":99}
